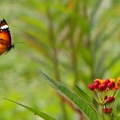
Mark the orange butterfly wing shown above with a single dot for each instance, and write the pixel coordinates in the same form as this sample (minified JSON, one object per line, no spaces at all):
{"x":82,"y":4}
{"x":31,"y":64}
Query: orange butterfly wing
{"x":3,"y":49}
{"x":5,"y":37}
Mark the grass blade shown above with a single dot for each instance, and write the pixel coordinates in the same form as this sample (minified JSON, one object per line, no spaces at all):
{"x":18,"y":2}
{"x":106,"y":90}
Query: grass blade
{"x":36,"y":112}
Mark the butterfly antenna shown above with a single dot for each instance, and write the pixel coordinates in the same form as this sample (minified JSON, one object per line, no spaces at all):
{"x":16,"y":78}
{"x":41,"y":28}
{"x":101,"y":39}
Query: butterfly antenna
{"x":19,"y":42}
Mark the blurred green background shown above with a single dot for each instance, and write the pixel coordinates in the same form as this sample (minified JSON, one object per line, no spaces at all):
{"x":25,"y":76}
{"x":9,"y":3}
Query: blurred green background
{"x":74,"y":41}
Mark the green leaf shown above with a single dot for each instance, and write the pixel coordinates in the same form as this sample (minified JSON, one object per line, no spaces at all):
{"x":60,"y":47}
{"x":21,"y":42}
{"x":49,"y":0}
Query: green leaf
{"x":86,"y":98}
{"x":83,"y":95}
{"x":84,"y":107}
{"x":36,"y":112}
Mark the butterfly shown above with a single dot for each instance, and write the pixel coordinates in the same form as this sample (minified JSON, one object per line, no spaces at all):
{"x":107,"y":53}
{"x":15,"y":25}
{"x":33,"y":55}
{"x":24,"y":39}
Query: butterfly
{"x":5,"y":37}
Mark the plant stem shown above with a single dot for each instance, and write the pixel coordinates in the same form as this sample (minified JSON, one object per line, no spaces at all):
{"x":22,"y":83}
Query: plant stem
{"x":55,"y":60}
{"x":73,"y":53}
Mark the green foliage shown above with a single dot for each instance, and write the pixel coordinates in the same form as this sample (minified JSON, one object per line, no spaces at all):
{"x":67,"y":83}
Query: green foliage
{"x":81,"y":104}
{"x":73,"y":41}
{"x":36,"y":112}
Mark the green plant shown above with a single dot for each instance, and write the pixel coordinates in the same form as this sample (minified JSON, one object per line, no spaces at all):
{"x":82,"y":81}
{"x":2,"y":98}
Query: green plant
{"x":103,"y":92}
{"x":74,"y":41}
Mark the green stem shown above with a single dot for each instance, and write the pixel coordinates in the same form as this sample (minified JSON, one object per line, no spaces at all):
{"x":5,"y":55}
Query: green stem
{"x":55,"y":60}
{"x":73,"y":53}
{"x":53,"y":44}
{"x":74,"y":62}
{"x":103,"y":117}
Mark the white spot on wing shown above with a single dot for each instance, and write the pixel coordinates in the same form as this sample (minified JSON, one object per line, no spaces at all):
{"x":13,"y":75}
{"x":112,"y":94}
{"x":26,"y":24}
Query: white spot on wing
{"x":4,"y":27}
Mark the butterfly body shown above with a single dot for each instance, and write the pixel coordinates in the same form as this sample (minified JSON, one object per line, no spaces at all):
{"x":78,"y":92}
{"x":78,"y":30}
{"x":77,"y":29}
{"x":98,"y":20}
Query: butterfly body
{"x":5,"y":38}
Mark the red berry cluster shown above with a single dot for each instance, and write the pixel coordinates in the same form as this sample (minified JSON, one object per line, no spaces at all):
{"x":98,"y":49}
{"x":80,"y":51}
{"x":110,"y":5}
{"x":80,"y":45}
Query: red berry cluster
{"x":102,"y":88}
{"x":102,"y":85}
{"x":107,"y":110}
{"x":109,"y":99}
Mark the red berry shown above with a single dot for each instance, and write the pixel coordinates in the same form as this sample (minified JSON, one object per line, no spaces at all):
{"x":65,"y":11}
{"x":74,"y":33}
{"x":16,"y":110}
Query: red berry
{"x":111,"y":85}
{"x":102,"y":87}
{"x":109,"y":110}
{"x":105,"y":97}
{"x":96,"y":80}
{"x":96,"y":85}
{"x":107,"y":81}
{"x":105,"y":110}
{"x":91,"y":87}
{"x":110,"y":99}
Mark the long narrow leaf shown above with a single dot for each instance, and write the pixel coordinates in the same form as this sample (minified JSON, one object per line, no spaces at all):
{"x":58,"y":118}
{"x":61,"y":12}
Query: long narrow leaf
{"x":85,"y":97}
{"x":87,"y":110}
{"x":36,"y":112}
